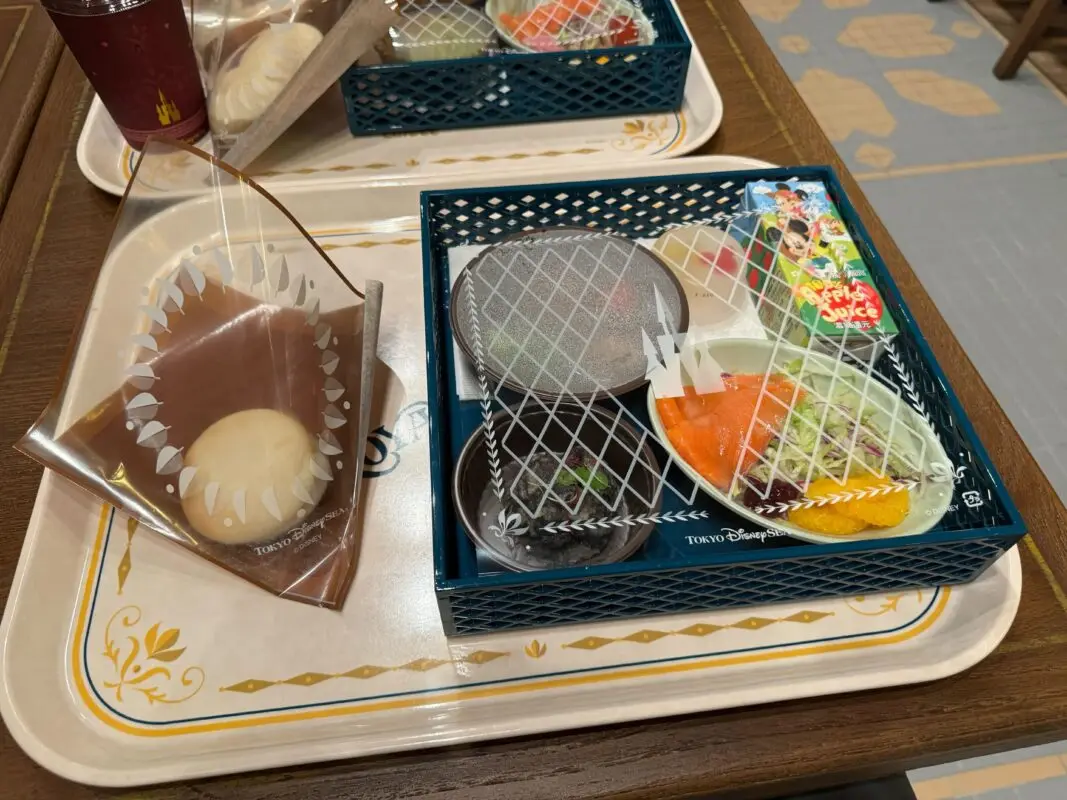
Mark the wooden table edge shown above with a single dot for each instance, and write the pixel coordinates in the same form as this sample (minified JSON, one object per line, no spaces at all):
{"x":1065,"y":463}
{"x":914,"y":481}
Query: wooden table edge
{"x":25,"y":75}
{"x":29,"y":210}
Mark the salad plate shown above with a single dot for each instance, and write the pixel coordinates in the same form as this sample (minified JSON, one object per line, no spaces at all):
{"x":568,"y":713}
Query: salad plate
{"x":879,"y":433}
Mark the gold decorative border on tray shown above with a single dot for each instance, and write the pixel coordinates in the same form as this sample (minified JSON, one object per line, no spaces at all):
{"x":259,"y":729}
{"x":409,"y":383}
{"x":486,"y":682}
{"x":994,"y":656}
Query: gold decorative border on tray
{"x":637,"y":135}
{"x":884,"y":604}
{"x":648,"y":635}
{"x":373,"y":243}
{"x":535,"y":649}
{"x":253,"y":685}
{"x":126,"y":563}
{"x":131,"y":654}
{"x":481,"y":159}
{"x":373,"y":166}
{"x":99,"y":708}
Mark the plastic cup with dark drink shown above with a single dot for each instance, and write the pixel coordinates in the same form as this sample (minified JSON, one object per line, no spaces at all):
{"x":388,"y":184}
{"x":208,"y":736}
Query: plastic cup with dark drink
{"x":138,"y":55}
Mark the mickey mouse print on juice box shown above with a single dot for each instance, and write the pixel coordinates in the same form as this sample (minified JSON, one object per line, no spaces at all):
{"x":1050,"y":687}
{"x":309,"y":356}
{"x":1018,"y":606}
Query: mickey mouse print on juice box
{"x":808,"y":274}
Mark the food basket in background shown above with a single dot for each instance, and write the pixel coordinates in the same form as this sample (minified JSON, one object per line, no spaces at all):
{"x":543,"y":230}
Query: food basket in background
{"x":451,"y":65}
{"x":593,"y":343}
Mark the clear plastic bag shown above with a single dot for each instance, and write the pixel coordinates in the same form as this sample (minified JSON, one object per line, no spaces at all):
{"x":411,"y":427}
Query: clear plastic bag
{"x":249,"y":51}
{"x":233,"y":419}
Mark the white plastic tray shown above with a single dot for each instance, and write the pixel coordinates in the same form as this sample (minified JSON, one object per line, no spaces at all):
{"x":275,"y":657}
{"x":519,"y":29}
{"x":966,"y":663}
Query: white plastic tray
{"x":320,"y":147}
{"x":262,"y":682}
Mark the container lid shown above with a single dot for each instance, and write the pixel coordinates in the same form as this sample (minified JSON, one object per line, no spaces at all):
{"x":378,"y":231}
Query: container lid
{"x":566,"y":312}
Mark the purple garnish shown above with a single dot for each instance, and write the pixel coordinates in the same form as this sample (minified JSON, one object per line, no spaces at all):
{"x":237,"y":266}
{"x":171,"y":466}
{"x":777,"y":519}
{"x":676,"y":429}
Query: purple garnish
{"x":780,"y":492}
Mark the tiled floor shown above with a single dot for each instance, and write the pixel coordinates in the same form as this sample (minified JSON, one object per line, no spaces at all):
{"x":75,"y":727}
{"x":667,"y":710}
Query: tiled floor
{"x":970,"y":176}
{"x":1036,"y":773}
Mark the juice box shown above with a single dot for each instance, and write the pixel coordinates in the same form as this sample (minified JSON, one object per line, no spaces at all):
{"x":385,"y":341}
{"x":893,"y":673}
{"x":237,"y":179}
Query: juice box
{"x":809,"y":277}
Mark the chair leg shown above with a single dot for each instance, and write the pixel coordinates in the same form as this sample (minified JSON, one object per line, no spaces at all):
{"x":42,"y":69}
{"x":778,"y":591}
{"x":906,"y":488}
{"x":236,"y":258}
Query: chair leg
{"x":1037,"y":20}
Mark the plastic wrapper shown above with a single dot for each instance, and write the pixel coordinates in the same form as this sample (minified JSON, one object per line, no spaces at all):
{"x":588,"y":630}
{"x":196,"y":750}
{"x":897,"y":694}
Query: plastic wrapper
{"x":436,"y":30}
{"x":546,"y":26}
{"x":631,"y":390}
{"x":249,"y":50}
{"x":234,"y":417}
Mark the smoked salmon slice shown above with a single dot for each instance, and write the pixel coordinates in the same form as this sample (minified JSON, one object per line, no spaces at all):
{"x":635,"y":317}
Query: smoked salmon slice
{"x":669,"y":412}
{"x":693,"y":405}
{"x":696,"y":443}
{"x":709,"y":431}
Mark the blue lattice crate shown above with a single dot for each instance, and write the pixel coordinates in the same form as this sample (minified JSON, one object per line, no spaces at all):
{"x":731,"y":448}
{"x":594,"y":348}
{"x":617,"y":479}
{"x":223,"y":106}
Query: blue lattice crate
{"x":509,"y":88}
{"x":675,"y":571}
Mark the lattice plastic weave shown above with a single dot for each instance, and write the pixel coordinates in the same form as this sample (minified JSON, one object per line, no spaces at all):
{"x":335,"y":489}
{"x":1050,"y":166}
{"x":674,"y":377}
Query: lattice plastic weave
{"x":968,"y":539}
{"x":540,"y":603}
{"x":512,"y":88}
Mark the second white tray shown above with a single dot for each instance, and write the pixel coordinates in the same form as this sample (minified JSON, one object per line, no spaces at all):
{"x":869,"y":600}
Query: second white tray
{"x":320,"y":148}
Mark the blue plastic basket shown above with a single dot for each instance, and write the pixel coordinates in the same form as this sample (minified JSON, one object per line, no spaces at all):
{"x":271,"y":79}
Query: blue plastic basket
{"x":512,"y":88}
{"x":658,"y":579}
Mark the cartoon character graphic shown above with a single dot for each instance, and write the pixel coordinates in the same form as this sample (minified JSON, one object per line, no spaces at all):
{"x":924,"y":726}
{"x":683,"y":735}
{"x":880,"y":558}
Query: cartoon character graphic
{"x":823,"y":268}
{"x":833,"y":227}
{"x":825,"y":229}
{"x":789,"y":203}
{"x":794,"y":238}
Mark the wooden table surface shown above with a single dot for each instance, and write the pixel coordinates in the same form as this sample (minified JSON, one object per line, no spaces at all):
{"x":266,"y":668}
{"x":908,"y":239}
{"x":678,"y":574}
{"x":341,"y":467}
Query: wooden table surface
{"x":54,"y":234}
{"x":30,"y":52}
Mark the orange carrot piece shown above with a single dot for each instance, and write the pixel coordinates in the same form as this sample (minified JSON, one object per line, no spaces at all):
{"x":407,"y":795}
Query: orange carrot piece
{"x":509,"y":22}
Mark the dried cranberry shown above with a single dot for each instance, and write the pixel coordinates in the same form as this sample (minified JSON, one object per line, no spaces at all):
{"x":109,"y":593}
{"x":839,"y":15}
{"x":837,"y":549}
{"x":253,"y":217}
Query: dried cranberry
{"x":757,"y":496}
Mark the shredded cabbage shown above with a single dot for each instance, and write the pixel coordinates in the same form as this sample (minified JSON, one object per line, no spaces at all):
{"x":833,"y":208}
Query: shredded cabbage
{"x":832,"y":421}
